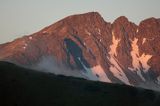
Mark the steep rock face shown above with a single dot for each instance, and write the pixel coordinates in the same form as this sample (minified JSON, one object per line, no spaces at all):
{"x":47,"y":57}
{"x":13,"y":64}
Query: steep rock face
{"x":121,"y":52}
{"x":149,"y":35}
{"x":123,"y":32}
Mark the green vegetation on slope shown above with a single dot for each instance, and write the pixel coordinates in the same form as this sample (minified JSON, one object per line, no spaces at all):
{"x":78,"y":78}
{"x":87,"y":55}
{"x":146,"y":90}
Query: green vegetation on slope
{"x":24,"y":87}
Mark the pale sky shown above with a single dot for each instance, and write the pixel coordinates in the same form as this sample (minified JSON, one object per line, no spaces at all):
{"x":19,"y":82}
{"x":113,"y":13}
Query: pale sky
{"x":24,"y":17}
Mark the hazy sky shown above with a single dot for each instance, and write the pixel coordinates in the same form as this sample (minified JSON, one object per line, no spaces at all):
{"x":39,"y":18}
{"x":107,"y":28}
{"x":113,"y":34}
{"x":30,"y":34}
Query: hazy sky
{"x":23,"y":17}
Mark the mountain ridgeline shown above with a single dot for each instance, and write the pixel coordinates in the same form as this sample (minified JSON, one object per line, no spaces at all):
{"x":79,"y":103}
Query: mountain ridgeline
{"x":118,"y":52}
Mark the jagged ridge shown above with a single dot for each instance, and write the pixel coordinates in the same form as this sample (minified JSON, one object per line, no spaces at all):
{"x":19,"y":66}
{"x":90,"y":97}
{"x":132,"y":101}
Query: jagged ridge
{"x":121,"y":52}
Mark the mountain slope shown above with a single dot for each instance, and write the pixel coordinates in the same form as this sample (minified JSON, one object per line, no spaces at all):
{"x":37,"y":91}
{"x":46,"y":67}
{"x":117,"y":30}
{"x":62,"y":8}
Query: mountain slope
{"x":24,"y":87}
{"x":118,"y":52}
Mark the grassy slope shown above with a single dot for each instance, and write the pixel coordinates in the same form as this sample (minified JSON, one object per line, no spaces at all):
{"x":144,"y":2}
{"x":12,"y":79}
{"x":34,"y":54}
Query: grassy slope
{"x":23,"y":87}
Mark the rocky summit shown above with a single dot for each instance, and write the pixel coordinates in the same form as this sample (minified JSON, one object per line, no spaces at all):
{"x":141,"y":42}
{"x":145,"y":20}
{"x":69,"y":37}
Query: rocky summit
{"x":118,"y":52}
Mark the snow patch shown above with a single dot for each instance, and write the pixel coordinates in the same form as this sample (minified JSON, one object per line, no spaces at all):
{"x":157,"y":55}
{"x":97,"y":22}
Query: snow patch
{"x":44,"y":32}
{"x":144,"y":60}
{"x":88,"y":33}
{"x":98,"y":70}
{"x":24,"y":47}
{"x":135,"y":54}
{"x":96,"y":73}
{"x":117,"y":71}
{"x":137,"y":59}
{"x":130,"y":68}
{"x":99,"y":31}
{"x":137,"y":31}
{"x":25,"y":44}
{"x":144,"y":40}
{"x":114,"y":45}
{"x":88,"y":72}
{"x":140,"y":74}
{"x":49,"y":64}
{"x":115,"y":67}
{"x":30,"y":38}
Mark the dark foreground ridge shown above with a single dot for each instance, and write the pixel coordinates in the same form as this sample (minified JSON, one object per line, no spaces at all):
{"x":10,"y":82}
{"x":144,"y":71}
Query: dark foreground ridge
{"x":24,"y":87}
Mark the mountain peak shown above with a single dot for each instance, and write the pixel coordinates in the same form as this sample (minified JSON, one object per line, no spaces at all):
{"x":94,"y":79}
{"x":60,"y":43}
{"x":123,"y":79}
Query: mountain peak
{"x":76,"y":22}
{"x":150,"y":21}
{"x":89,"y":14}
{"x":114,"y":52}
{"x":85,"y":17}
{"x":121,"y":19}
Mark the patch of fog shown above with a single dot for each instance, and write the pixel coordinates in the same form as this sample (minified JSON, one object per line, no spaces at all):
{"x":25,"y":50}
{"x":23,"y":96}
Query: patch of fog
{"x":137,"y":59}
{"x":158,"y":80}
{"x":98,"y":70}
{"x":149,"y":85}
{"x":88,"y":72}
{"x":49,"y":65}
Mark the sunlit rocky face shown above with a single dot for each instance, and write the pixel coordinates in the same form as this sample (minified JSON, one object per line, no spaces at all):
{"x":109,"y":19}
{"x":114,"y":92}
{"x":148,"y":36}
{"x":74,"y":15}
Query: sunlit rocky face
{"x":116,"y":52}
